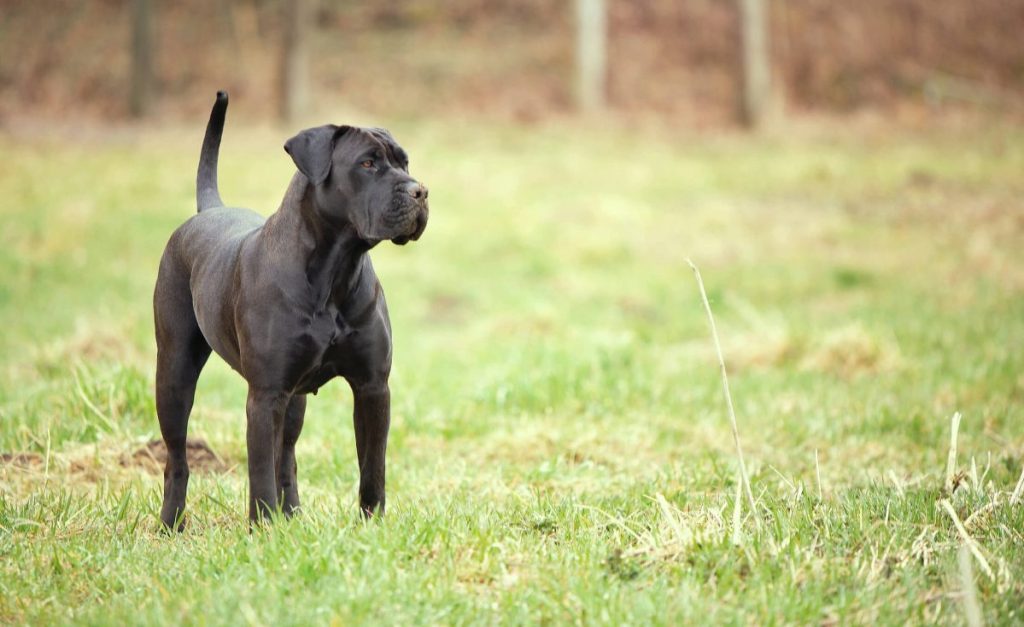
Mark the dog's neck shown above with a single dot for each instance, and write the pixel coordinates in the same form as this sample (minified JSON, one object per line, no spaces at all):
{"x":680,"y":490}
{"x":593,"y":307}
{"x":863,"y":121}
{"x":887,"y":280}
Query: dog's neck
{"x":332,"y":253}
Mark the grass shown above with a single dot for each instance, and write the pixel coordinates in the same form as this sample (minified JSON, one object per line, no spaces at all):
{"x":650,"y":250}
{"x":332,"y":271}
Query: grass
{"x":560,"y":446}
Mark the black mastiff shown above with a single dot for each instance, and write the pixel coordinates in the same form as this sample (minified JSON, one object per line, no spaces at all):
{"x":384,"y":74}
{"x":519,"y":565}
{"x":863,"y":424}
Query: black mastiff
{"x":289,"y":302}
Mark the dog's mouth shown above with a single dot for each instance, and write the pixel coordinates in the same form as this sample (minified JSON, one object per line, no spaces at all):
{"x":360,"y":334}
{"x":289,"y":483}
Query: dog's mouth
{"x":419,"y":225}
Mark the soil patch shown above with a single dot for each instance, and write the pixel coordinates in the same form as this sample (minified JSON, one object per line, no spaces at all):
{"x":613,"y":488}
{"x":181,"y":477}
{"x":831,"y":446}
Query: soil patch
{"x":153,"y":455}
{"x":23,"y":460}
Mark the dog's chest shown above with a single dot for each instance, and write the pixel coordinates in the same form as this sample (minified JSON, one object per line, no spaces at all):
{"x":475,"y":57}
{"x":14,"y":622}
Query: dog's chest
{"x":323,"y":338}
{"x":325,"y":330}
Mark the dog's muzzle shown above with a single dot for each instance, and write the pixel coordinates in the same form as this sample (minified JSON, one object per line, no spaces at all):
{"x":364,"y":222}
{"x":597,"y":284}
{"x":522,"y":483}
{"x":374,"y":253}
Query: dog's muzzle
{"x":412,"y":211}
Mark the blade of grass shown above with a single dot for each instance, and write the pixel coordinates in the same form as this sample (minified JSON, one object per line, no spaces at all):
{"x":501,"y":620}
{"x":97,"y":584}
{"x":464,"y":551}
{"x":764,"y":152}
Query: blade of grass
{"x":737,"y":514}
{"x":1019,"y":490}
{"x":951,"y":460}
{"x":666,"y":511}
{"x":972,"y":608}
{"x":725,"y":388}
{"x":968,"y":541}
{"x":106,"y":420}
{"x":817,"y":472}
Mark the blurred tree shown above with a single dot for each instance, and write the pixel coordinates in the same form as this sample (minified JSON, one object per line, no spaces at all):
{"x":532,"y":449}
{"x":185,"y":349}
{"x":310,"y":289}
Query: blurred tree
{"x":591,"y":59}
{"x":294,"y":71}
{"x":139,"y":93}
{"x":756,"y":92}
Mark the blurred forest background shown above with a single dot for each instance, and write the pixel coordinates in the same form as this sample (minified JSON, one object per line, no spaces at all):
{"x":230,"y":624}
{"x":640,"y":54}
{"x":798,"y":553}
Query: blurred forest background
{"x":520,"y":60}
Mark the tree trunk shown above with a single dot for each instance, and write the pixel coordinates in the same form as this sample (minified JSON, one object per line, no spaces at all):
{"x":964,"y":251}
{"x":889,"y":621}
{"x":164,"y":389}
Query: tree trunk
{"x":140,"y":93}
{"x":294,"y":71}
{"x":591,"y":58}
{"x":756,"y":81}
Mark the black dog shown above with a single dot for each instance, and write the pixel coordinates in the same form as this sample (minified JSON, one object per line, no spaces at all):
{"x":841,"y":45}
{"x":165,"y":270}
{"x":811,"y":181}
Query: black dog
{"x":289,"y":302}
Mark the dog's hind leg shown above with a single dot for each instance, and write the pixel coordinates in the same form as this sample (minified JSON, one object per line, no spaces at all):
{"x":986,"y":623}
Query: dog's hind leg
{"x":181,"y":353}
{"x":287,"y":484}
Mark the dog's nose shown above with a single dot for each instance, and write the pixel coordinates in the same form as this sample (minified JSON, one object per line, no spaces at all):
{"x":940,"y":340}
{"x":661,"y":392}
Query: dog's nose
{"x":417,"y":191}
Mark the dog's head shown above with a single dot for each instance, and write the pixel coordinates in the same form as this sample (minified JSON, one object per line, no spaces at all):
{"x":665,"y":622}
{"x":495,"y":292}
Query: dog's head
{"x":361,"y":178}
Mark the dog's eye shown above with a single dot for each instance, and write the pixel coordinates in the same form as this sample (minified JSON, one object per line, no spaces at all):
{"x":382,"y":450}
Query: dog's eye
{"x":367,"y":163}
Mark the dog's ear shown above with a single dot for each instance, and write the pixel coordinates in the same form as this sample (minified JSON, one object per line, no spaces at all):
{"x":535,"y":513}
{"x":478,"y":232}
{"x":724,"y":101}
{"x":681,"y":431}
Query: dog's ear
{"x":312,"y":148}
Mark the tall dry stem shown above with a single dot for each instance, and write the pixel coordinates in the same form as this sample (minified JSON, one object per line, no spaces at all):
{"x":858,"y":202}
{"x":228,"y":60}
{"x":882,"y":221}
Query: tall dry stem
{"x":725,"y":388}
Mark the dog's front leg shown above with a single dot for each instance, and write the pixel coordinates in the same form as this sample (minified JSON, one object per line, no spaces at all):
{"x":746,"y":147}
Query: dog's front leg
{"x":372,"y":417}
{"x":265,"y":413}
{"x":287,"y":477}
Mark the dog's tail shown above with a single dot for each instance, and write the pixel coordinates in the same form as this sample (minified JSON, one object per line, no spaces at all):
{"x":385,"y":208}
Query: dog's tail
{"x":206,"y":180}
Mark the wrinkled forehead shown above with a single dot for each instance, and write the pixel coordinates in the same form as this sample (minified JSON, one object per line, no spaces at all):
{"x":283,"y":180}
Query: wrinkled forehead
{"x":359,"y":140}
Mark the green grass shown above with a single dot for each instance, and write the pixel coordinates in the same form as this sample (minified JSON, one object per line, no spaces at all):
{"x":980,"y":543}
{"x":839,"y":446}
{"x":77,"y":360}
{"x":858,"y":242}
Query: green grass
{"x":560,"y":450}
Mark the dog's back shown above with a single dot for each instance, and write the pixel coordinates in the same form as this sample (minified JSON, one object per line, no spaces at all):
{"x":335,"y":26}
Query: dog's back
{"x":199,"y":262}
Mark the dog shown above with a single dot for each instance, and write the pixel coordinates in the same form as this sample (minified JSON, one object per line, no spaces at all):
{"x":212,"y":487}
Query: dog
{"x":289,"y":302}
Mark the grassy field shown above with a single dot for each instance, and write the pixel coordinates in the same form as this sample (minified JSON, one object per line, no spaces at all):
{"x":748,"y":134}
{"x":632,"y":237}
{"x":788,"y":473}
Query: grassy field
{"x":560,"y":448}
